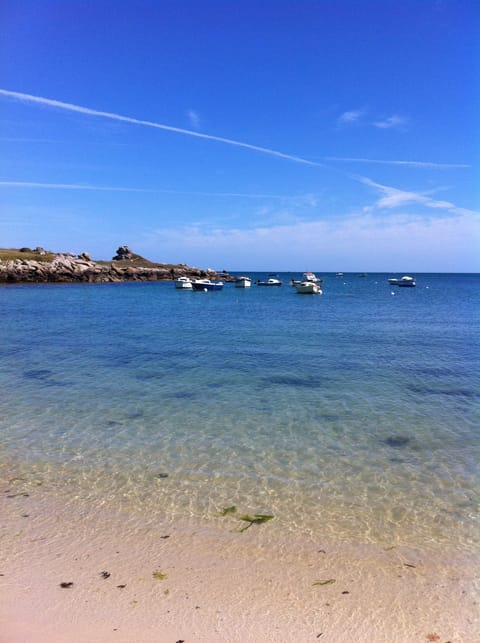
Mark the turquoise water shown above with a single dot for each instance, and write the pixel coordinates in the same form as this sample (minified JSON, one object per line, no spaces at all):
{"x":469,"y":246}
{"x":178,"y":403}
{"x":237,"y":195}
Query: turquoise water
{"x":353,"y":414}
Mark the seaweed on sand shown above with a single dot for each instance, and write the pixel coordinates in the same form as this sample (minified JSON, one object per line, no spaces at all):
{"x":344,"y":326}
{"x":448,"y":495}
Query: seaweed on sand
{"x":226,"y":511}
{"x":255,"y":519}
{"x":329,"y":581}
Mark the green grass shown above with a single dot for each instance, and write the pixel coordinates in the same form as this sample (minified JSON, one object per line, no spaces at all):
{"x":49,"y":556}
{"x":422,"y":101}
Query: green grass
{"x":7,"y":254}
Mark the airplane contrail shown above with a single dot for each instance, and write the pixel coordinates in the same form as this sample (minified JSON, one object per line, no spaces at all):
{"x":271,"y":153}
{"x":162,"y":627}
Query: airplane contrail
{"x":427,"y":164}
{"x":68,"y":186}
{"x":39,"y":100}
{"x":106,"y":188}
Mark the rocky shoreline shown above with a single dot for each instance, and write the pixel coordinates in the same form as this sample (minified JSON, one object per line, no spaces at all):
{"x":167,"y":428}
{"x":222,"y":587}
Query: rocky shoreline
{"x":69,"y":268}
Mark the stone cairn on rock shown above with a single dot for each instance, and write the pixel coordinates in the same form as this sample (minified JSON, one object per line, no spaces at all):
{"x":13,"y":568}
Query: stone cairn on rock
{"x":123,"y":254}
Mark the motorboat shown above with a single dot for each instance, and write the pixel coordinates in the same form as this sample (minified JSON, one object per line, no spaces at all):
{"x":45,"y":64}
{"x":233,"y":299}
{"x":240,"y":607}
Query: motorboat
{"x":243,"y":282}
{"x":339,"y":274}
{"x":183,"y":283}
{"x":311,"y":276}
{"x":307,"y":276}
{"x":309,"y":288}
{"x":202,"y":285}
{"x":404,"y":282}
{"x":271,"y":281}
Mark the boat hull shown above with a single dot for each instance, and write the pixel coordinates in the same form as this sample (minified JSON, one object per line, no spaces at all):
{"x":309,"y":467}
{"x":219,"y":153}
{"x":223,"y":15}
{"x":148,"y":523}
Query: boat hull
{"x":183,"y":285}
{"x":202,"y":286}
{"x":308,"y":288}
{"x":243,"y":282}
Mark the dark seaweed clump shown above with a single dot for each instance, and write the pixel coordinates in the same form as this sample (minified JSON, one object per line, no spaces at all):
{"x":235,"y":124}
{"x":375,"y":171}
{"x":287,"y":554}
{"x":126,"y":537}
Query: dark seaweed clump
{"x":397,"y":441}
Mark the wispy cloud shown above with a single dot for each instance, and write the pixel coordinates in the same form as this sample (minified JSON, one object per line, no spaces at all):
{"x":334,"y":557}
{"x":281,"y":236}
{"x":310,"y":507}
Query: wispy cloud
{"x":420,"y":164}
{"x":390,"y":122}
{"x":394,"y":198}
{"x":48,"y":102}
{"x":350,"y":117}
{"x":194,"y":119}
{"x":358,"y":116}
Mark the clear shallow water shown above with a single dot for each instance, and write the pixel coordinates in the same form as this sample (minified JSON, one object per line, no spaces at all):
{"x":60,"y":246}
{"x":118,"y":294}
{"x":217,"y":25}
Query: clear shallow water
{"x":353,"y":415}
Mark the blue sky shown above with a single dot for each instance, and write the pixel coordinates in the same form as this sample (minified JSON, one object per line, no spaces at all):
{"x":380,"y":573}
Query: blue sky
{"x":267,"y":135}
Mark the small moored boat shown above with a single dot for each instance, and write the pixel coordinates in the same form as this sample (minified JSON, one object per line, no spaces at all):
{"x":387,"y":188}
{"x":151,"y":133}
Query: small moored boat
{"x":307,"y":276}
{"x":202,"y":285}
{"x":311,"y":276}
{"x":271,"y":281}
{"x":404,"y":282}
{"x":309,"y":288}
{"x":243,"y":282}
{"x":183,"y":283}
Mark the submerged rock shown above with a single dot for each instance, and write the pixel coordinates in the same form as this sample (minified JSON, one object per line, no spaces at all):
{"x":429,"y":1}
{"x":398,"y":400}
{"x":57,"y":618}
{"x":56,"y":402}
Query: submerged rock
{"x":397,"y":441}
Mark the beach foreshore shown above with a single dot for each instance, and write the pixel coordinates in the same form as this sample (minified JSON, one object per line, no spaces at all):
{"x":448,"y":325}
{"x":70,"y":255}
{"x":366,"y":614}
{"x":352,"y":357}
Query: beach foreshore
{"x":124,"y":581}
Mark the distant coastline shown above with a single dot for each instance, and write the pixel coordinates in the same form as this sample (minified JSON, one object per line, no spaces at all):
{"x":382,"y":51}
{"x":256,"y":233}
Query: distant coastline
{"x":34,"y":266}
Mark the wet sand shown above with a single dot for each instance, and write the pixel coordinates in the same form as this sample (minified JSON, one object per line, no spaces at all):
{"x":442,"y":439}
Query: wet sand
{"x":206,"y":581}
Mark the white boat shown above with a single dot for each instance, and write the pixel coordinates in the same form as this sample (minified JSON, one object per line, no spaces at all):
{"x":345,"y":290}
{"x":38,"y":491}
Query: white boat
{"x":243,"y":282}
{"x":202,"y":285}
{"x":307,"y":276}
{"x":271,"y":281}
{"x":404,"y":282}
{"x":183,"y":283}
{"x":309,"y":288}
{"x":311,"y":276}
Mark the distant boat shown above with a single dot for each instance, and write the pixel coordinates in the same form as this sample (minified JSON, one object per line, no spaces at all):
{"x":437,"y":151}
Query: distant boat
{"x":183,"y":283}
{"x":271,"y":281}
{"x":309,"y":288}
{"x":407,"y":282}
{"x":200,"y":285}
{"x":363,"y":274}
{"x":339,"y":274}
{"x":243,"y":282}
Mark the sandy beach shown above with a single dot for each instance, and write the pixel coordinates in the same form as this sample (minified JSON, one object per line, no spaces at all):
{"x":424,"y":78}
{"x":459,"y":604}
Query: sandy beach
{"x":198,"y":582}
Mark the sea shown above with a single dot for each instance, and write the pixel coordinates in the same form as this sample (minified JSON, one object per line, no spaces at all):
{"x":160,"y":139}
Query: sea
{"x":354,"y":414}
